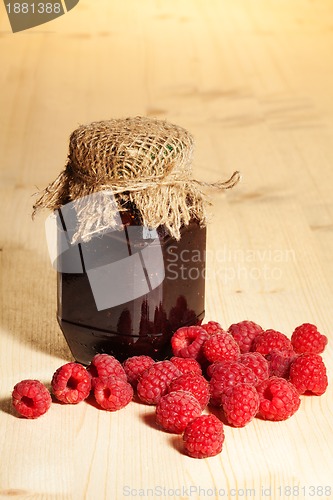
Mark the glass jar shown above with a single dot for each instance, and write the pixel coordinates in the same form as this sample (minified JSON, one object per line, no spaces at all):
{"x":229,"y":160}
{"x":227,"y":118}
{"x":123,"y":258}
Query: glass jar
{"x":101,"y":307}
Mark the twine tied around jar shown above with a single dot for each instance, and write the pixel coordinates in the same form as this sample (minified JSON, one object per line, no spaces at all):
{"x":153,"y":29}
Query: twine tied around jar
{"x":143,"y":161}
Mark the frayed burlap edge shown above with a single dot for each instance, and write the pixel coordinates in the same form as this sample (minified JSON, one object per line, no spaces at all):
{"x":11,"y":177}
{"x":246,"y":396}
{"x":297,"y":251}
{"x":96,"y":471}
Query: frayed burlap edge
{"x":140,"y":160}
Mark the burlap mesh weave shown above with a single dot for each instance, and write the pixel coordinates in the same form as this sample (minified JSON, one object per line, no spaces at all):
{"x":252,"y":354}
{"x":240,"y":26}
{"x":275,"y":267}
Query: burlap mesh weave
{"x":141,"y":160}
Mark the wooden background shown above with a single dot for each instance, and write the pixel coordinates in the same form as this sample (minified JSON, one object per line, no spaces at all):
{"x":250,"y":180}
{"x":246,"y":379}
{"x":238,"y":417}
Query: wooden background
{"x":253,"y":81}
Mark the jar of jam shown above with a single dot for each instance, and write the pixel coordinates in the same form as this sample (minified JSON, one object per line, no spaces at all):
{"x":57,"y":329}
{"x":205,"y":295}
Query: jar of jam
{"x":130,"y":224}
{"x":93,"y":311}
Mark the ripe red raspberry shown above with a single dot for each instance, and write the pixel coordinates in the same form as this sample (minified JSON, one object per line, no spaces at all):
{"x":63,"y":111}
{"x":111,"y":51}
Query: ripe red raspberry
{"x":135,"y":366}
{"x":306,"y":338}
{"x":112,"y":393}
{"x":154,"y":381}
{"x":212,"y":327}
{"x":203,"y":437}
{"x":269,"y":340}
{"x":257,"y":363}
{"x":193,"y":383}
{"x":279,"y":362}
{"x":213,"y":366}
{"x":176,"y":409}
{"x":279,"y":399}
{"x":187,"y":365}
{"x":244,"y":333}
{"x":221,"y":346}
{"x":240,"y":404}
{"x":225,"y":376}
{"x":308,"y":374}
{"x":31,"y":399}
{"x":71,"y":383}
{"x":187,"y":341}
{"x":104,"y":366}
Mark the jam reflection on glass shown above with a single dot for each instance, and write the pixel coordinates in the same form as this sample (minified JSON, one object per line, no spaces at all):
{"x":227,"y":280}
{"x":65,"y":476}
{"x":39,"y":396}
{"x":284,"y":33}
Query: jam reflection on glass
{"x":143,"y":325}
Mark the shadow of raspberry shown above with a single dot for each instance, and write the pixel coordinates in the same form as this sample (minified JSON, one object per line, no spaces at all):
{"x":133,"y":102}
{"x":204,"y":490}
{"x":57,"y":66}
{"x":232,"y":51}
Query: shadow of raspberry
{"x":219,"y":413}
{"x":7,"y":407}
{"x":176,"y":441}
{"x":149,"y":419}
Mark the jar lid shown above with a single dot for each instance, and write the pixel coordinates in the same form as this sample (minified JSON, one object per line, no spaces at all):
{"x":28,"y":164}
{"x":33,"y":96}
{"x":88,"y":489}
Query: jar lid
{"x":140,"y":160}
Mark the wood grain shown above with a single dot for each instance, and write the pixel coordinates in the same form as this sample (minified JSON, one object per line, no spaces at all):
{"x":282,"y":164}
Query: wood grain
{"x":253,"y":82}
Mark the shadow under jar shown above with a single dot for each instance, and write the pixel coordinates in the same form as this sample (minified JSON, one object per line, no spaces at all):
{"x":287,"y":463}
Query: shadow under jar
{"x":93,"y":312}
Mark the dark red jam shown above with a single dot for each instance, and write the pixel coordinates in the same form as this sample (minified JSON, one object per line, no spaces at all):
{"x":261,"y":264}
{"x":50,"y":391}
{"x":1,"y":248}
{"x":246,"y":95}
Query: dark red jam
{"x":143,"y":324}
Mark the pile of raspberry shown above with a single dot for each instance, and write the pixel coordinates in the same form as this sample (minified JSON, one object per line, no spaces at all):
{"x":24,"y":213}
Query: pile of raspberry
{"x":244,"y":372}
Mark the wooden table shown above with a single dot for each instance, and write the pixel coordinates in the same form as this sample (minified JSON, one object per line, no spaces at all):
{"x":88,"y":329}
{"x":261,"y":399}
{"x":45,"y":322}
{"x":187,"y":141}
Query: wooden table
{"x":253,"y":82}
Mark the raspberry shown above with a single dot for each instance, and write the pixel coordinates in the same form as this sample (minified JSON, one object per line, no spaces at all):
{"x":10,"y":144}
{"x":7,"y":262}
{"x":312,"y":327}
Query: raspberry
{"x":240,"y":404}
{"x":187,"y":365}
{"x":225,"y":376}
{"x":269,"y":340}
{"x":308,"y":374}
{"x":221,"y":346}
{"x":244,"y":333}
{"x":279,"y":362}
{"x":71,"y":383}
{"x":135,"y":366}
{"x":112,"y":393}
{"x":203,"y":437}
{"x":176,"y":409}
{"x":279,"y":399}
{"x":257,"y":363}
{"x":193,"y":383}
{"x":104,"y":366}
{"x":31,"y":399}
{"x":213,"y":366}
{"x":212,"y":327}
{"x":154,"y":382}
{"x":187,"y":341}
{"x":306,"y":338}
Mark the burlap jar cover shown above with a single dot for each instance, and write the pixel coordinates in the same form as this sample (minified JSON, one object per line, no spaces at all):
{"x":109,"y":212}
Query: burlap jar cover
{"x":144,"y":161}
